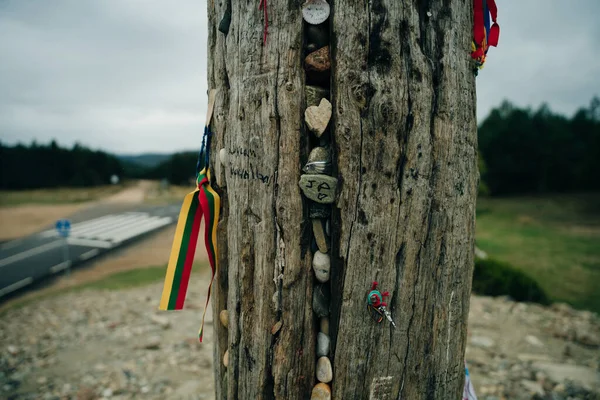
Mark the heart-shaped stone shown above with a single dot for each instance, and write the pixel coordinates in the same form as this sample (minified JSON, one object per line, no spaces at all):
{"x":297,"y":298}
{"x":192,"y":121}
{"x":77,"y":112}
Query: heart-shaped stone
{"x":317,"y":117}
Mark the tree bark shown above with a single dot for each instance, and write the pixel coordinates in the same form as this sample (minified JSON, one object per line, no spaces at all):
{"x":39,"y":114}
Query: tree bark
{"x":405,"y":149}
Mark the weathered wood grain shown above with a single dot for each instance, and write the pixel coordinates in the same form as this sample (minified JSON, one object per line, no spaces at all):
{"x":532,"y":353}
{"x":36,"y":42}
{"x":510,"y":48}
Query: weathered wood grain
{"x":269,"y":277}
{"x":404,"y":133}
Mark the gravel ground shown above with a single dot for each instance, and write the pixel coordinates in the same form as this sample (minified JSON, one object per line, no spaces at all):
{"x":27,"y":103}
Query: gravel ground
{"x":115,"y":344}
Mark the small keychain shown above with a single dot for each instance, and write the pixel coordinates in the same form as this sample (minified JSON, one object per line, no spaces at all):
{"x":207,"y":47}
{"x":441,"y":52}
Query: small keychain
{"x":377,"y":306}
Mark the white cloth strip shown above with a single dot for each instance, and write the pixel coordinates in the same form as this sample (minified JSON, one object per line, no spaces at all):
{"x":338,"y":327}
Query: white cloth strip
{"x":143,"y":229}
{"x":105,"y":231}
{"x":85,"y":228}
{"x":109,"y":235}
{"x":93,"y":224}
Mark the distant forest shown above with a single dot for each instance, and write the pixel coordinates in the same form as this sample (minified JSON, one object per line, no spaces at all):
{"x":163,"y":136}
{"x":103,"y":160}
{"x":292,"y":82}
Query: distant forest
{"x":528,"y":152}
{"x":47,"y":166}
{"x":521,"y":151}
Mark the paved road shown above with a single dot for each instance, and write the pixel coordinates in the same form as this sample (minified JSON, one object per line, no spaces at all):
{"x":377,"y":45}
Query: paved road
{"x":27,"y":260}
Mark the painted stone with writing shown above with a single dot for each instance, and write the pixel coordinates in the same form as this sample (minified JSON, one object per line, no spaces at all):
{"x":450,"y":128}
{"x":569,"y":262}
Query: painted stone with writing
{"x":317,"y":117}
{"x":319,"y":188}
{"x":319,"y":233}
{"x":315,"y":11}
{"x":314,"y":94}
{"x":319,"y":161}
{"x":318,"y":60}
{"x":321,"y":300}
{"x":324,"y":370}
{"x":318,"y":210}
{"x":321,"y":266}
{"x":321,"y":391}
{"x":322,"y":344}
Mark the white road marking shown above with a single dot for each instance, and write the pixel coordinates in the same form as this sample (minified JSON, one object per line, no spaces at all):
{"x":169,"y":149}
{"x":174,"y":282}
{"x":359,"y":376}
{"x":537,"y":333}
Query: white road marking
{"x":15,"y":286}
{"x":32,"y":252}
{"x":60,"y":267}
{"x":11,"y":244}
{"x":90,"y":242}
{"x":89,"y":254}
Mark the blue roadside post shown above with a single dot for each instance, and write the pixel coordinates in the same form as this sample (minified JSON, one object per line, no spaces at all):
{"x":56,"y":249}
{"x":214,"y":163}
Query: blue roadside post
{"x":63,"y":227}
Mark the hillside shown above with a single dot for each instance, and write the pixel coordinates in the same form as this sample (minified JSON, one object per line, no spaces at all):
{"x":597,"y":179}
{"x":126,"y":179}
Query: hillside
{"x":146,"y":160}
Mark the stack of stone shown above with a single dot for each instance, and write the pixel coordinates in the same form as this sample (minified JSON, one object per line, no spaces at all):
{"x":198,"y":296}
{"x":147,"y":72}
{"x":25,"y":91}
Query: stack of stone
{"x":317,"y":184}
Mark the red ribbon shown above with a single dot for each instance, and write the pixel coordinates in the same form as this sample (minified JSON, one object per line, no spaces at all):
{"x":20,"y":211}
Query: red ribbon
{"x":494,"y":35}
{"x":263,"y":5}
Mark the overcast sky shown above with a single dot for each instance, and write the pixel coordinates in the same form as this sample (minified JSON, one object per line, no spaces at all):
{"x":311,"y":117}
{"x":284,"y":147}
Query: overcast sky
{"x":129,"y":76}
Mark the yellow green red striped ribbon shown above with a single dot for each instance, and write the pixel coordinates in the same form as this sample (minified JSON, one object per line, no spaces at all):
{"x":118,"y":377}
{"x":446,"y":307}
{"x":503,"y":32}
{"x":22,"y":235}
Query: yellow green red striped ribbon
{"x":205,"y":203}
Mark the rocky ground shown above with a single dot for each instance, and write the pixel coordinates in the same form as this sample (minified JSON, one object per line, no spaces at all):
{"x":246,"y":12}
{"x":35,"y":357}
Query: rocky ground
{"x":97,"y":344}
{"x":526,"y":351}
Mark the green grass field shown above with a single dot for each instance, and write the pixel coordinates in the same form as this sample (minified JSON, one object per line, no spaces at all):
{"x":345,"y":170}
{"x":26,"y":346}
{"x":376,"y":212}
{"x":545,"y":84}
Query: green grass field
{"x":555,"y":240}
{"x":57,"y":195}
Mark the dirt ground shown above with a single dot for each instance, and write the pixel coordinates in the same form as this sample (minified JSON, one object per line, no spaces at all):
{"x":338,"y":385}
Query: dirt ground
{"x":26,"y":219}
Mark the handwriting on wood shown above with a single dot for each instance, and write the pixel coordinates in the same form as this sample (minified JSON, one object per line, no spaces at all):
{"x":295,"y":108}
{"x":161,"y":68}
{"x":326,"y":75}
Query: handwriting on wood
{"x":251,"y":174}
{"x":241,"y":151}
{"x":250,"y":171}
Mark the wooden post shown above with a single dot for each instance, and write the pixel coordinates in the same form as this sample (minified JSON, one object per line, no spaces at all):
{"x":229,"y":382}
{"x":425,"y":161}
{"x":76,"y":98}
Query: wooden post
{"x":404,"y":146}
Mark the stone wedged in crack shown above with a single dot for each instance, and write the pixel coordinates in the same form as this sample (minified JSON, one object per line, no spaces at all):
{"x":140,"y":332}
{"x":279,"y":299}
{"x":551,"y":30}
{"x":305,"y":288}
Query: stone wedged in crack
{"x":319,"y":161}
{"x":322,"y":266}
{"x":319,"y":234}
{"x":226,"y":358}
{"x":224,"y":318}
{"x":317,"y":117}
{"x":223,"y":157}
{"x":324,"y":325}
{"x":318,"y":61}
{"x":324,"y":370}
{"x":323,"y":342}
{"x":321,"y":300}
{"x":319,"y":188}
{"x":321,"y":391}
{"x":318,"y":210}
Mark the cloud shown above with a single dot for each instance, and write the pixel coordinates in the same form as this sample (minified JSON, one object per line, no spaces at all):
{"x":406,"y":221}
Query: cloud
{"x":126,"y":76}
{"x":130,"y":75}
{"x":548,"y":52}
